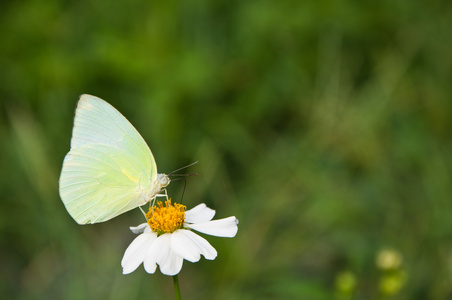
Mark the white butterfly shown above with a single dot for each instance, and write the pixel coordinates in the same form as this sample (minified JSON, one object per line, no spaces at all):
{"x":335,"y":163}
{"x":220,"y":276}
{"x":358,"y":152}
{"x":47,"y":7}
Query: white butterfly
{"x":109,"y":169}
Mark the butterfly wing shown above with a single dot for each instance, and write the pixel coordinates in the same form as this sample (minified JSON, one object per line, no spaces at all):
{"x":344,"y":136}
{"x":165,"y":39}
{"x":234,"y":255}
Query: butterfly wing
{"x":109,"y":165}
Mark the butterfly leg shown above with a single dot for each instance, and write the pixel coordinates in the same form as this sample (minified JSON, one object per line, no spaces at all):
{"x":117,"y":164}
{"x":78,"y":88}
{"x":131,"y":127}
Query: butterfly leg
{"x":144,"y":214}
{"x":153,"y":200}
{"x":163,"y":195}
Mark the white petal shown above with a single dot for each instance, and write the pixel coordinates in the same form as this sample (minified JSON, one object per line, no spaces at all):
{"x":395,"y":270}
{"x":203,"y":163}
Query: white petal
{"x":139,"y":229}
{"x":199,"y":213}
{"x":136,"y":252}
{"x":224,"y":227}
{"x":189,"y":245}
{"x":157,"y":251}
{"x":183,"y":245}
{"x":161,"y":253}
{"x":149,"y":263}
{"x":172,"y":265}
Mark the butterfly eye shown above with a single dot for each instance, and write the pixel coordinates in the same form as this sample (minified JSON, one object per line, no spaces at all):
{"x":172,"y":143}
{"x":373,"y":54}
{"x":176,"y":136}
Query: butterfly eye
{"x":163,"y":179}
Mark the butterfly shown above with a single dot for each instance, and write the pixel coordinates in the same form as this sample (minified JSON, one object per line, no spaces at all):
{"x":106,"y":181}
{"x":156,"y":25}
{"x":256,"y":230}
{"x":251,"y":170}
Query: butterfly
{"x":109,"y":168}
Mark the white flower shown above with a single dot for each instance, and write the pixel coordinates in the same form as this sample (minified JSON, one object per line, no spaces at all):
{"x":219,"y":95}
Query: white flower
{"x":166,"y":239}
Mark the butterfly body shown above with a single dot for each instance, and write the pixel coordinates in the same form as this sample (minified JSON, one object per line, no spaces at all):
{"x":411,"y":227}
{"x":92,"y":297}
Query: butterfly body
{"x":155,"y":188}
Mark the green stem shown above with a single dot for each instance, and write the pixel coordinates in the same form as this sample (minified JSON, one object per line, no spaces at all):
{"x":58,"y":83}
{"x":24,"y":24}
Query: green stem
{"x":176,"y":287}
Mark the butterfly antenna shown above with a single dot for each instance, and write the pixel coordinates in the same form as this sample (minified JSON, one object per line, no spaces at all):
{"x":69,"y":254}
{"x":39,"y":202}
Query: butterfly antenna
{"x":183,"y":175}
{"x":184,"y":167}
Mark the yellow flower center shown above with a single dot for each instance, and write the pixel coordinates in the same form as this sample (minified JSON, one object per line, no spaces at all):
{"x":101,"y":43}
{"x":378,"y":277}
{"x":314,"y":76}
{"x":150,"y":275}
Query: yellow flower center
{"x":166,"y":219}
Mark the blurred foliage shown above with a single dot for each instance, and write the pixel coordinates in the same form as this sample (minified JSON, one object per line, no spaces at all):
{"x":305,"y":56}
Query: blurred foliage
{"x":324,"y":126}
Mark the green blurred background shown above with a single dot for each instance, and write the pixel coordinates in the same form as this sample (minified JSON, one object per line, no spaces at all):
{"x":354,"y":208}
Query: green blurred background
{"x":324,"y":126}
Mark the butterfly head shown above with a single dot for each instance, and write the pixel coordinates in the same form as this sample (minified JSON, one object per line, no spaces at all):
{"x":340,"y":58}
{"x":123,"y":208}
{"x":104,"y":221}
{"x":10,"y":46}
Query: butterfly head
{"x":163,"y":179}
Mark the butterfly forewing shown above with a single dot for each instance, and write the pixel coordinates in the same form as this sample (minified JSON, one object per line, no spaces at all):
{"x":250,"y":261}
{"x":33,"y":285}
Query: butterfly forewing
{"x":108,"y":167}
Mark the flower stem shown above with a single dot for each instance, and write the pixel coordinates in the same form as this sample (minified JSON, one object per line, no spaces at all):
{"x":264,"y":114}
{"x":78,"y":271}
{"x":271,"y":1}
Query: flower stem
{"x":176,"y":287}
